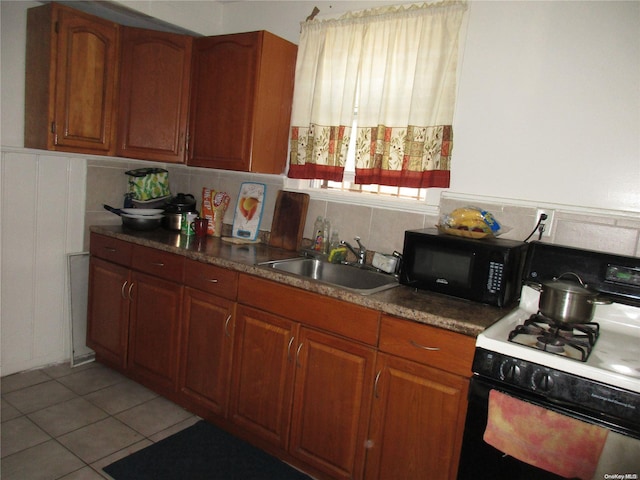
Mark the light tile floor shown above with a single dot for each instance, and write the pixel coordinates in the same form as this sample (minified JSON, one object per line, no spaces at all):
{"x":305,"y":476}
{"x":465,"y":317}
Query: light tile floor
{"x":67,"y":423}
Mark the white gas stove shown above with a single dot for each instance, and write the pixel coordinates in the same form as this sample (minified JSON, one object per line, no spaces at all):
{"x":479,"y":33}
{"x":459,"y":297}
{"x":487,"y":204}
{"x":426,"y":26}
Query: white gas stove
{"x":614,"y":359}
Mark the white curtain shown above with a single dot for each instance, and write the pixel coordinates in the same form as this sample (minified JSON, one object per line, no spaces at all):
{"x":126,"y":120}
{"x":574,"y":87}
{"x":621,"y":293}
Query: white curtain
{"x":402,"y":62}
{"x":324,"y":97}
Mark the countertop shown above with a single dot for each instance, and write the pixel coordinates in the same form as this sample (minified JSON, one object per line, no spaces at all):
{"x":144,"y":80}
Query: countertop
{"x":468,"y":318}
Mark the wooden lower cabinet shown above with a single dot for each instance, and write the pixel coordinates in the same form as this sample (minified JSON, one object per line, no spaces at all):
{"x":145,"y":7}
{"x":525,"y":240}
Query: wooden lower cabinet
{"x":332,"y":387}
{"x":205,"y":364}
{"x":108,"y":312}
{"x":263,"y":368}
{"x":417,"y":421}
{"x":419,"y":401}
{"x":154,"y":331}
{"x":333,"y":384}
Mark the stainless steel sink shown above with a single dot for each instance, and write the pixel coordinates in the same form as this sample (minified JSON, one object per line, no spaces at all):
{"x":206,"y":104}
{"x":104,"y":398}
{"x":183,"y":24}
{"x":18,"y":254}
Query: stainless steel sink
{"x":350,"y":277}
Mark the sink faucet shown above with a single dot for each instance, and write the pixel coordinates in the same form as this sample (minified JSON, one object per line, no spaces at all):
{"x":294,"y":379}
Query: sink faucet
{"x":361,"y":253}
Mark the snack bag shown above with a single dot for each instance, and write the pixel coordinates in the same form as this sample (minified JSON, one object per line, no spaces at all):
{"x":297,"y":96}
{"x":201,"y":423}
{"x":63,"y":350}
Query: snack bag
{"x":471,"y":219}
{"x":214,"y":206}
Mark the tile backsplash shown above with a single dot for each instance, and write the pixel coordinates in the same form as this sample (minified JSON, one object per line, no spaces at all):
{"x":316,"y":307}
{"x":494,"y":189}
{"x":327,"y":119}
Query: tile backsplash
{"x":380,"y":229}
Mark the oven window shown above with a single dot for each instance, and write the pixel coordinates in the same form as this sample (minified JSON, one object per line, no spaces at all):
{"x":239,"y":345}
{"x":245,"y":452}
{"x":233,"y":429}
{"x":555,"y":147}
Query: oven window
{"x":442,"y":264}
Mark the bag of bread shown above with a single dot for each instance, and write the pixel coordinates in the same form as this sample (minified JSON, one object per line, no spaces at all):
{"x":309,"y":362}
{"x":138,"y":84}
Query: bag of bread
{"x":470,"y":222}
{"x":214,"y":206}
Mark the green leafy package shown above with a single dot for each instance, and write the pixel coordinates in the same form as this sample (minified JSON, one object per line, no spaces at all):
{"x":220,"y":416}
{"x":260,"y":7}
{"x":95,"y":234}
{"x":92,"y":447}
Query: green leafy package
{"x":148,"y":183}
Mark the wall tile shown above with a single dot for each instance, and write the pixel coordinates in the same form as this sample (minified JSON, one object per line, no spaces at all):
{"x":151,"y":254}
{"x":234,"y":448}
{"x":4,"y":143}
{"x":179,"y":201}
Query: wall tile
{"x":599,"y":237}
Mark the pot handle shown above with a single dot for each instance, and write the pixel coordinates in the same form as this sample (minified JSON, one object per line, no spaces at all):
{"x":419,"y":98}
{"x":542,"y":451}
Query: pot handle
{"x":575,"y":275}
{"x":599,"y":301}
{"x":117,"y":211}
{"x":535,"y":285}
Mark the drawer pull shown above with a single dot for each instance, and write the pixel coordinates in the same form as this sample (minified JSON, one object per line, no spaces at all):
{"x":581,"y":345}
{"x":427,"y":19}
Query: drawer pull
{"x":110,"y":249}
{"x":212,"y":280}
{"x":417,"y":345}
{"x":157,"y":264}
{"x":375,"y":384}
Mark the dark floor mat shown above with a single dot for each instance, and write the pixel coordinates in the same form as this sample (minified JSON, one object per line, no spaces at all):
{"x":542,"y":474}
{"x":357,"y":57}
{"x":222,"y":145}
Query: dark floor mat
{"x":202,"y":452}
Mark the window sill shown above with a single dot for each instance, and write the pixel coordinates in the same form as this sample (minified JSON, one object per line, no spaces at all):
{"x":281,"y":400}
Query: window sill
{"x":428,"y":207}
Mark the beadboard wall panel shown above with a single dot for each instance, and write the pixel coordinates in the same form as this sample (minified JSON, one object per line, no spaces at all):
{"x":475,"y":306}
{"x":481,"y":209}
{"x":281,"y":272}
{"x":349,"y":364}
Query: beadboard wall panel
{"x":42,"y":220}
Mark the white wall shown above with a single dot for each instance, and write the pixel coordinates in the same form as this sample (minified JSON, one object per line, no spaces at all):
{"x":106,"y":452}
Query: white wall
{"x":549,"y":103}
{"x":549,"y":96}
{"x":204,"y":17}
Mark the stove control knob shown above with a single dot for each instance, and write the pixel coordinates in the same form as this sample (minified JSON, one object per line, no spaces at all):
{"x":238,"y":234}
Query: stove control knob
{"x":542,"y":381}
{"x":509,"y":370}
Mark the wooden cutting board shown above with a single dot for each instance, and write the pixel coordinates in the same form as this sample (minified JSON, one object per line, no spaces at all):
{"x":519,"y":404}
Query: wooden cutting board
{"x":289,"y":217}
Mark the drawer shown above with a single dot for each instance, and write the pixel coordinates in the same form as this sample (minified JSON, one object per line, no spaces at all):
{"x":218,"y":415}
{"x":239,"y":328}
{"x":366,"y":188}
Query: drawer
{"x":158,"y":263}
{"x":312,"y":309}
{"x":111,"y":249}
{"x":211,"y":278}
{"x":429,"y":345}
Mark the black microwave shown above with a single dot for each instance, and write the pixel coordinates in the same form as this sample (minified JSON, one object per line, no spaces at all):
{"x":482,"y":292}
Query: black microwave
{"x":486,"y":270}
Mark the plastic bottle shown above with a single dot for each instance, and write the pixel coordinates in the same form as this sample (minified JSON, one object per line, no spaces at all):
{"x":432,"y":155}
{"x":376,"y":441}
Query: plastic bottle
{"x":326,"y":232}
{"x":318,"y":232}
{"x":335,"y":240}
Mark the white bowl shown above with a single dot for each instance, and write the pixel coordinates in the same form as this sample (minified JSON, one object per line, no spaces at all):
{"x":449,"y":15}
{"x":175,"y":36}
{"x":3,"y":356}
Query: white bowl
{"x":142,"y":211}
{"x":147,"y":217}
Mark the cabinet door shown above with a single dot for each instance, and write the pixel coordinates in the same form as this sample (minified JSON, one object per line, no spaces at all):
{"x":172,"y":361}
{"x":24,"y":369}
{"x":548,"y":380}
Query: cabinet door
{"x":417,"y":421}
{"x":108,"y":312}
{"x":154,"y":331}
{"x":224,"y":86}
{"x":262,"y":374}
{"x":154,"y":95}
{"x":205,"y":367}
{"x":333,"y":385}
{"x":85,"y":79}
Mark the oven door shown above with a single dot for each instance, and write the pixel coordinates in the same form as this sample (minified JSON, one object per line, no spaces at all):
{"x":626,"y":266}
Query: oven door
{"x":481,"y":461}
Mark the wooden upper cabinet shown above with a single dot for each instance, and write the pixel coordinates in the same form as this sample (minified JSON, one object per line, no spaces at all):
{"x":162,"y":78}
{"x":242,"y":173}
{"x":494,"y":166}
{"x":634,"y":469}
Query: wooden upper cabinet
{"x":71,"y":78}
{"x":154,"y":95}
{"x":242,"y":90}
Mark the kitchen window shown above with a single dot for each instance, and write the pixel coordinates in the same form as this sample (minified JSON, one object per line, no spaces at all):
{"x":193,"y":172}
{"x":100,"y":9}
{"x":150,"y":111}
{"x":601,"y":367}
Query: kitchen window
{"x":398,"y":66}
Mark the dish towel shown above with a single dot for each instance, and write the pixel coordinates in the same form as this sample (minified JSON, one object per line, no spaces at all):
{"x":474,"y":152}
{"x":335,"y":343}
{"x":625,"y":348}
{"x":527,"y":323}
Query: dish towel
{"x":548,"y":440}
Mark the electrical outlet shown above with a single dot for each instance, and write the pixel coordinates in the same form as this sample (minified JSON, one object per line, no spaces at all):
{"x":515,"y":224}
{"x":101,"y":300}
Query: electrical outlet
{"x":547,"y":223}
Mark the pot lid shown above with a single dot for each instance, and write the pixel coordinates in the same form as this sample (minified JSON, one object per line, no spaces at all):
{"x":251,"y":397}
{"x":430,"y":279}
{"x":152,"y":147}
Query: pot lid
{"x":182,"y":202}
{"x":577,"y":287}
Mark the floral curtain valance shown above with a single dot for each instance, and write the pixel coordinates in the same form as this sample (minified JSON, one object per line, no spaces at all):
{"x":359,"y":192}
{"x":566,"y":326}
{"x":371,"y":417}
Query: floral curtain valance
{"x":398,"y":66}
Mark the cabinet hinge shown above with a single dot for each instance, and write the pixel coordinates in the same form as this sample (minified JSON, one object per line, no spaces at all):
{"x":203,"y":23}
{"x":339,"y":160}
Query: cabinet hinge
{"x":186,"y":143}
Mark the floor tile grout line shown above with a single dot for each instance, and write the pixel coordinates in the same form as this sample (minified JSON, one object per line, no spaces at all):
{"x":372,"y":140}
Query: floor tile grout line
{"x":95,"y":465}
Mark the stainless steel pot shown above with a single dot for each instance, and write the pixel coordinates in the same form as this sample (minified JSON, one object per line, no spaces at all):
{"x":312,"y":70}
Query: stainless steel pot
{"x":173,"y":210}
{"x":172,"y":221}
{"x":139,"y":223}
{"x":566,"y":301}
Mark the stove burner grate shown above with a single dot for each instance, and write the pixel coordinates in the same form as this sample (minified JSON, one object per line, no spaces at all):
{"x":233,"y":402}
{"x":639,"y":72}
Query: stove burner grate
{"x":556,"y":337}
